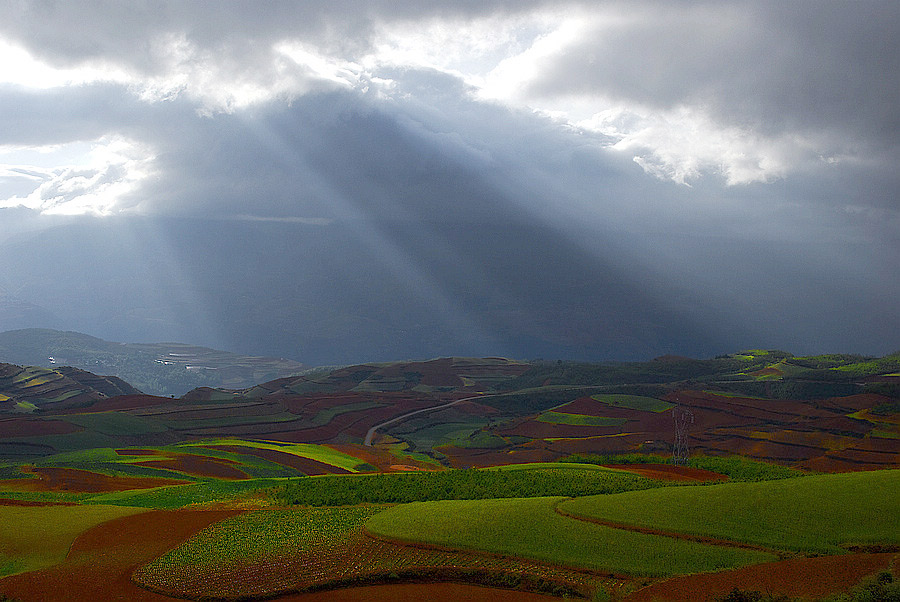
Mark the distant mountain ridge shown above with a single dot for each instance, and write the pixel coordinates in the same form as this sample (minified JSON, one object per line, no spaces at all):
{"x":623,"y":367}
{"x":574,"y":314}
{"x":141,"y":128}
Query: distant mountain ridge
{"x":155,"y":368}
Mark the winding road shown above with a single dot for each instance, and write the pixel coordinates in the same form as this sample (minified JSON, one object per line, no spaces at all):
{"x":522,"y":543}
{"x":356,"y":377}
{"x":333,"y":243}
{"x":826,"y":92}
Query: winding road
{"x":371,"y":433}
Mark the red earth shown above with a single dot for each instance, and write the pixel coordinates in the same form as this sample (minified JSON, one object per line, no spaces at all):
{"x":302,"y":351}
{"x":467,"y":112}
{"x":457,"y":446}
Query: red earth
{"x":201,"y":466}
{"x":71,"y":479}
{"x":797,"y":577}
{"x":35,"y":427}
{"x":101,"y":560}
{"x":382,"y":459}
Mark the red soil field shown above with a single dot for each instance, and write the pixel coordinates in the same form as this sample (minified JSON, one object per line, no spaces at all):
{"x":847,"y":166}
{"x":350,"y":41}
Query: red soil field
{"x":797,"y":577}
{"x":667,"y":472}
{"x":852,"y":403}
{"x":101,"y":561}
{"x":200,"y":466}
{"x":35,"y":427}
{"x":382,"y":459}
{"x":83,"y":481}
{"x":480,"y":458}
{"x":416,"y":592}
{"x":307,"y":466}
{"x":119,"y":403}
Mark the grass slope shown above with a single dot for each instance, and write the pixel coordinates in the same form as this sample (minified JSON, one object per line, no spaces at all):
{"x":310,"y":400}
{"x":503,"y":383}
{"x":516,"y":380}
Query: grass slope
{"x":34,"y":537}
{"x":530,"y":528}
{"x":814,"y":514}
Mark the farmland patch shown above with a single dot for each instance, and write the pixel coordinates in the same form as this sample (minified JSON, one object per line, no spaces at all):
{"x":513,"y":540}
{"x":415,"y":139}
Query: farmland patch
{"x":530,"y":528}
{"x":634,"y":402}
{"x":814,"y":514}
{"x":579,"y":419}
{"x":32,"y":537}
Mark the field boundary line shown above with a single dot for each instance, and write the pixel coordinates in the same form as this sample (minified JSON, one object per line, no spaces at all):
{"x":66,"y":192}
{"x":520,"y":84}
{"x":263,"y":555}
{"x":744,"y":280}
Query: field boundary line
{"x":422,"y":545}
{"x":704,"y":539}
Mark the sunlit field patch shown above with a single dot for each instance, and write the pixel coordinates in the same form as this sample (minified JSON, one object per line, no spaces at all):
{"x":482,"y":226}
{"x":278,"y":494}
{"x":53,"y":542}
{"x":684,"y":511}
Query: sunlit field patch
{"x":530,"y":528}
{"x":579,"y":419}
{"x":634,"y":402}
{"x":813,"y":514}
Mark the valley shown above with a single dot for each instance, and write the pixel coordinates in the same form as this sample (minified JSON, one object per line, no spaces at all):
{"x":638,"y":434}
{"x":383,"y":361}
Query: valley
{"x":546,"y":478}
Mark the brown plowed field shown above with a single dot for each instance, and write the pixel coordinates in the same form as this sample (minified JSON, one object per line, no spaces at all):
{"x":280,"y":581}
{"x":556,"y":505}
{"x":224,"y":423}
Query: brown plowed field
{"x":797,"y":577}
{"x":82,"y":481}
{"x":201,"y":466}
{"x":101,"y":561}
{"x":307,"y":466}
{"x":35,"y":427}
{"x":120,"y":403}
{"x":480,"y":458}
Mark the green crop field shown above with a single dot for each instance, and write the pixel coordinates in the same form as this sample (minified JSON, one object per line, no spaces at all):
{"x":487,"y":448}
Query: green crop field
{"x":321,"y":453}
{"x":814,"y":514}
{"x":39,"y":536}
{"x":579,"y":419}
{"x":530,"y":528}
{"x":567,"y":480}
{"x":634,"y":402}
{"x":263,"y":533}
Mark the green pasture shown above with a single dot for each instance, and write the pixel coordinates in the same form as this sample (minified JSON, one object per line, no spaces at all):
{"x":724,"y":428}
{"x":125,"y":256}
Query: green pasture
{"x":579,"y":419}
{"x":530,"y":528}
{"x":634,"y":402}
{"x":815,"y":514}
{"x":34,"y":537}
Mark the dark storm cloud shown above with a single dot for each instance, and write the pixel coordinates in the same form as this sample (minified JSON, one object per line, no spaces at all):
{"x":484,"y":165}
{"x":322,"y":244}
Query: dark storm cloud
{"x":70,"y":32}
{"x":400,"y":216}
{"x":775,"y":67}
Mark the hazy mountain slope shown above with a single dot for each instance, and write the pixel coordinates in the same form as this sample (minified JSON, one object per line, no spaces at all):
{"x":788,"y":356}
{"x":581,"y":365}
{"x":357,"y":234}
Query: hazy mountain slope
{"x":156,"y":368}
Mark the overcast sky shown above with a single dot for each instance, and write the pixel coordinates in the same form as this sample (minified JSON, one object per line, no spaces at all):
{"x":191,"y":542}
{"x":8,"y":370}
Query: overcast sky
{"x":737,"y":160}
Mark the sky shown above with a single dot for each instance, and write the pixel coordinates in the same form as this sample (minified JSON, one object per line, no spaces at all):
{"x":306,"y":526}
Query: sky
{"x":339,"y":181}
